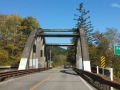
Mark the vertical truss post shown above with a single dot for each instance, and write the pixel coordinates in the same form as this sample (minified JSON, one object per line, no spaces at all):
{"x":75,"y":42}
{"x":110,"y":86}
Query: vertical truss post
{"x":79,"y":62}
{"x":34,"y":55}
{"x":30,"y":59}
{"x":84,"y":48}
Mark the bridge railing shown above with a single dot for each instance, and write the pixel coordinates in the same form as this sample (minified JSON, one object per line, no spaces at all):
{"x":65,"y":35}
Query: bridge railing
{"x":106,"y":72}
{"x":8,"y":68}
{"x":16,"y":73}
{"x":97,"y":80}
{"x":100,"y":70}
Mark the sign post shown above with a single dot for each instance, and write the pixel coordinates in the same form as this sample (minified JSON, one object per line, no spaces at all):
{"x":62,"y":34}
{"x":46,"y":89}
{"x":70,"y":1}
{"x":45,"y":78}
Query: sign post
{"x":102,"y":61}
{"x":117,"y":50}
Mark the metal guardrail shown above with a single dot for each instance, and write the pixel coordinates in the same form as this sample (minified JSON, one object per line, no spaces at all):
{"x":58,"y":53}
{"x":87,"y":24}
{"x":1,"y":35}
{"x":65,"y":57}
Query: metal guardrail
{"x":104,"y":71}
{"x":96,"y":80}
{"x":9,"y":74}
{"x":8,"y":68}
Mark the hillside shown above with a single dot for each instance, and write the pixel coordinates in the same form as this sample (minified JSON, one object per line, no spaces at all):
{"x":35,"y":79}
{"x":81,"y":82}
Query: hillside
{"x":58,"y":55}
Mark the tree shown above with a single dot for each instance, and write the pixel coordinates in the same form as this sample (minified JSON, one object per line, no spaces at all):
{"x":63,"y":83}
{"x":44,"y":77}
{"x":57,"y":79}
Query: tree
{"x":29,"y":23}
{"x":97,"y":37}
{"x":82,"y":22}
{"x":113,"y":36}
{"x":93,"y":54}
{"x":3,"y":56}
{"x":59,"y":59}
{"x":101,"y":45}
{"x":58,"y":55}
{"x":12,"y":36}
{"x":71,"y":55}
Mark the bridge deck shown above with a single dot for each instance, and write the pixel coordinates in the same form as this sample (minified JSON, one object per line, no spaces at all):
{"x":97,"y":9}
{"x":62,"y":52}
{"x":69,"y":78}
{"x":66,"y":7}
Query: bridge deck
{"x":55,"y":79}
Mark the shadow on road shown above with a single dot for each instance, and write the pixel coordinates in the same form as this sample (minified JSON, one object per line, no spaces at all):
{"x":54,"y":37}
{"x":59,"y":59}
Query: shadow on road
{"x":68,"y":72}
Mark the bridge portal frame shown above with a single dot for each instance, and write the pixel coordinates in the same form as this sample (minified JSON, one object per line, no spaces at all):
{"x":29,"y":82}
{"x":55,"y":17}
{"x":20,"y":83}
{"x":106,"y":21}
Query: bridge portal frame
{"x":35,"y":48}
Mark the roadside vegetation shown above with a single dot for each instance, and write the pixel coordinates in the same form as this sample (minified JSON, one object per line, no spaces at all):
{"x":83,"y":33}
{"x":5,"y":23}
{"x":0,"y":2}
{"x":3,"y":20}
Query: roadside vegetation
{"x":14,"y":31}
{"x":99,"y":44}
{"x":58,"y":56}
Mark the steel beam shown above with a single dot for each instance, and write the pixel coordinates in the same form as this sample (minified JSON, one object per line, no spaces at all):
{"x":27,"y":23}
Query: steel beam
{"x":58,"y":35}
{"x":59,"y":44}
{"x":58,"y":30}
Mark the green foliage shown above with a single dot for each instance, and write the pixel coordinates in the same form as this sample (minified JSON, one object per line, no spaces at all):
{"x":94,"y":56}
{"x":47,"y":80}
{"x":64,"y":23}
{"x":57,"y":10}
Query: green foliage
{"x":59,"y":59}
{"x":3,"y":56}
{"x":82,"y":22}
{"x":93,"y":54}
{"x":29,"y":23}
{"x":112,"y":36}
{"x":104,"y":46}
{"x":71,"y":55}
{"x":54,"y":65}
{"x":58,"y":55}
{"x":13,"y":37}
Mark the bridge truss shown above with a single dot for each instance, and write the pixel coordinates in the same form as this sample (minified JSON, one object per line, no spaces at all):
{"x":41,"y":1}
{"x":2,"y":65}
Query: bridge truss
{"x":34,"y":53}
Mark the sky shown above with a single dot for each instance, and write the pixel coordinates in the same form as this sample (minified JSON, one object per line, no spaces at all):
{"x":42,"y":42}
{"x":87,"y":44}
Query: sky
{"x":59,"y":14}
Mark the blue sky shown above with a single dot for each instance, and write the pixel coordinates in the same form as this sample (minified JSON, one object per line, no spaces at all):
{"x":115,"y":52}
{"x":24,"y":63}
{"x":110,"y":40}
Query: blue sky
{"x":59,"y":14}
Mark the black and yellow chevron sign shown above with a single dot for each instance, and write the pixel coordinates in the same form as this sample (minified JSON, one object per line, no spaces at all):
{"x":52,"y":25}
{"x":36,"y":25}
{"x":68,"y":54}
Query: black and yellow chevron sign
{"x":102,"y":59}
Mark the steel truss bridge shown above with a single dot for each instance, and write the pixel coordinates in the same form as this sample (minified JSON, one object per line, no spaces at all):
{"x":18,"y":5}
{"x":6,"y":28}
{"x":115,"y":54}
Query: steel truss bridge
{"x":34,"y":54}
{"x":34,"y":57}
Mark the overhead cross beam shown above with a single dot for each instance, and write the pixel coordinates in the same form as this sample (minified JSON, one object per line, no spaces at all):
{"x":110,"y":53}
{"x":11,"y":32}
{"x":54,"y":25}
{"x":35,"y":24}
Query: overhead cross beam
{"x":59,"y":44}
{"x":58,"y":35}
{"x":58,"y":30}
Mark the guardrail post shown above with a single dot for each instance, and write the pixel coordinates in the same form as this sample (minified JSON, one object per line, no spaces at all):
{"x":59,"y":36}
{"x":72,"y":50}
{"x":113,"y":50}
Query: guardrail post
{"x":103,"y":71}
{"x":107,"y":87}
{"x":97,"y":70}
{"x":111,"y":76}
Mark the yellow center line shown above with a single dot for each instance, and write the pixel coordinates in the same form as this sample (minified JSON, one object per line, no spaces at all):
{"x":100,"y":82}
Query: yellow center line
{"x":48,"y":78}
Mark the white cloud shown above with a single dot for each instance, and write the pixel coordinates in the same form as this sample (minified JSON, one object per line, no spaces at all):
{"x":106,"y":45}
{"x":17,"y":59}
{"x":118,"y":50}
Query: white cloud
{"x":115,"y":5}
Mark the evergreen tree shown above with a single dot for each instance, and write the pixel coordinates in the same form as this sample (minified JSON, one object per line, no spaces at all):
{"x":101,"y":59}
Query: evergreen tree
{"x":82,"y":22}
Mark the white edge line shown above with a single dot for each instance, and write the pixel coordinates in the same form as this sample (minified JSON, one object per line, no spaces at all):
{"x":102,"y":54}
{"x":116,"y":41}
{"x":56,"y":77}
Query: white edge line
{"x":85,"y":83}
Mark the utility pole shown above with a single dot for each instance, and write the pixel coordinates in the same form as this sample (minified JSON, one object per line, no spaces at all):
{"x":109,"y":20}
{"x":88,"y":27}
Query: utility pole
{"x":50,"y":57}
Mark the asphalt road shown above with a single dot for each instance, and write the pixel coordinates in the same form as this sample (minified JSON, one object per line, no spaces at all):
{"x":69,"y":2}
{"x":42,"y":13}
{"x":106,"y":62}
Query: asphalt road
{"x":55,"y":79}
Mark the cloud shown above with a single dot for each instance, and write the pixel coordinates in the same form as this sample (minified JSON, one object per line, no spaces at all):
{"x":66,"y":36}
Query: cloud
{"x":115,"y":5}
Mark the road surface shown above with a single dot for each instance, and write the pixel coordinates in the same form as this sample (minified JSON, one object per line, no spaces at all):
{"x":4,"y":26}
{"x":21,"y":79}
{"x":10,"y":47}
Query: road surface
{"x":54,"y":79}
